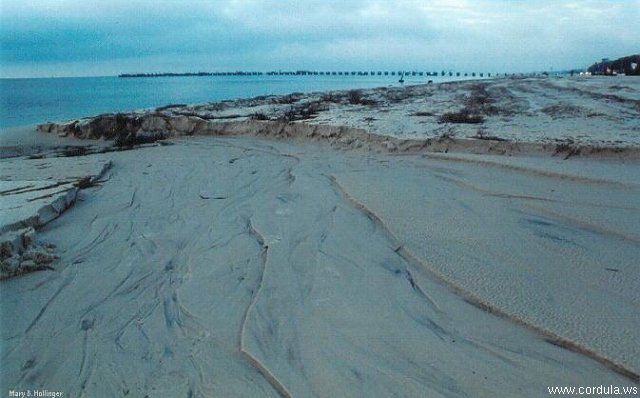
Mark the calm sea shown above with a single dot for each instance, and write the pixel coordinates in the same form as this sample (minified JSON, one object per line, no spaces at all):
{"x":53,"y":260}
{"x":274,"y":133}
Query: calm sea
{"x":31,"y":101}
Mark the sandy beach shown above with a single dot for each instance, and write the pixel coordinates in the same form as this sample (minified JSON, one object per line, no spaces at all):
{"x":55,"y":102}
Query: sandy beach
{"x":463,"y":239}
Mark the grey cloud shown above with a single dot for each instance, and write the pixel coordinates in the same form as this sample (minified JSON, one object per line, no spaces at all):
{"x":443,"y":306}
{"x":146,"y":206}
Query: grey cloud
{"x":230,"y":34}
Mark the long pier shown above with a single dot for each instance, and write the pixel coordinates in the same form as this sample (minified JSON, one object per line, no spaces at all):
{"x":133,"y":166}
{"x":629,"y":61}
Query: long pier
{"x":401,"y":73}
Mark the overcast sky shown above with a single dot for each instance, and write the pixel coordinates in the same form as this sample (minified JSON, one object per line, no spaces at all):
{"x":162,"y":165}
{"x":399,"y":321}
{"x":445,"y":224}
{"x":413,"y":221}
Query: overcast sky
{"x":107,"y":37}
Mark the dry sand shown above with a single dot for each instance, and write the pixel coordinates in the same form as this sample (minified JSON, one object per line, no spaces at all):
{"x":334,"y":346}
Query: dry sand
{"x":244,"y":266}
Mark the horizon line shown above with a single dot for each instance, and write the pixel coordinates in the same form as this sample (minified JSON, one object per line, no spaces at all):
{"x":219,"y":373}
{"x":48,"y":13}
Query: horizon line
{"x":345,"y":73}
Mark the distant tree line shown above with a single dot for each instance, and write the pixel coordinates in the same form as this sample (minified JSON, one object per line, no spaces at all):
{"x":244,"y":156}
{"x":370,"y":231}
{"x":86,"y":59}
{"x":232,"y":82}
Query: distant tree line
{"x":629,"y":65}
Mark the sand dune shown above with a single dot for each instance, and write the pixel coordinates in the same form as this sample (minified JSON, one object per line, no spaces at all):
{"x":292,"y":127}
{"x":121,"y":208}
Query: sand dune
{"x":568,"y":116}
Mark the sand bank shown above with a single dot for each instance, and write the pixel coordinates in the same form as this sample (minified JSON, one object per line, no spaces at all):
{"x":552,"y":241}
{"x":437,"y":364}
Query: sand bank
{"x":566,"y":117}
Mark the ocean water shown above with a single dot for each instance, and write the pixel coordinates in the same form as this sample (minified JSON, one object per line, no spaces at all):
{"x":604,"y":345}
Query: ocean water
{"x":31,"y":101}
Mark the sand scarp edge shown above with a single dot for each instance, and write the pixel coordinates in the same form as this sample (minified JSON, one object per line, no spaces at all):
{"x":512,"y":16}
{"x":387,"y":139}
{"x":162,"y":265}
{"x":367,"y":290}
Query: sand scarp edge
{"x":133,"y":129}
{"x":528,"y":170}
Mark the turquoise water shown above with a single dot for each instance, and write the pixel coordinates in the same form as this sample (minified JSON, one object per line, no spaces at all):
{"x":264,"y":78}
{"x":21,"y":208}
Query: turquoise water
{"x":30,"y":101}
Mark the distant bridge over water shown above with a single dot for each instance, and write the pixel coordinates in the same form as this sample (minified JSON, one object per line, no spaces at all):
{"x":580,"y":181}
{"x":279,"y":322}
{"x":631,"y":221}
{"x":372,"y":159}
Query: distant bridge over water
{"x":400,"y":73}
